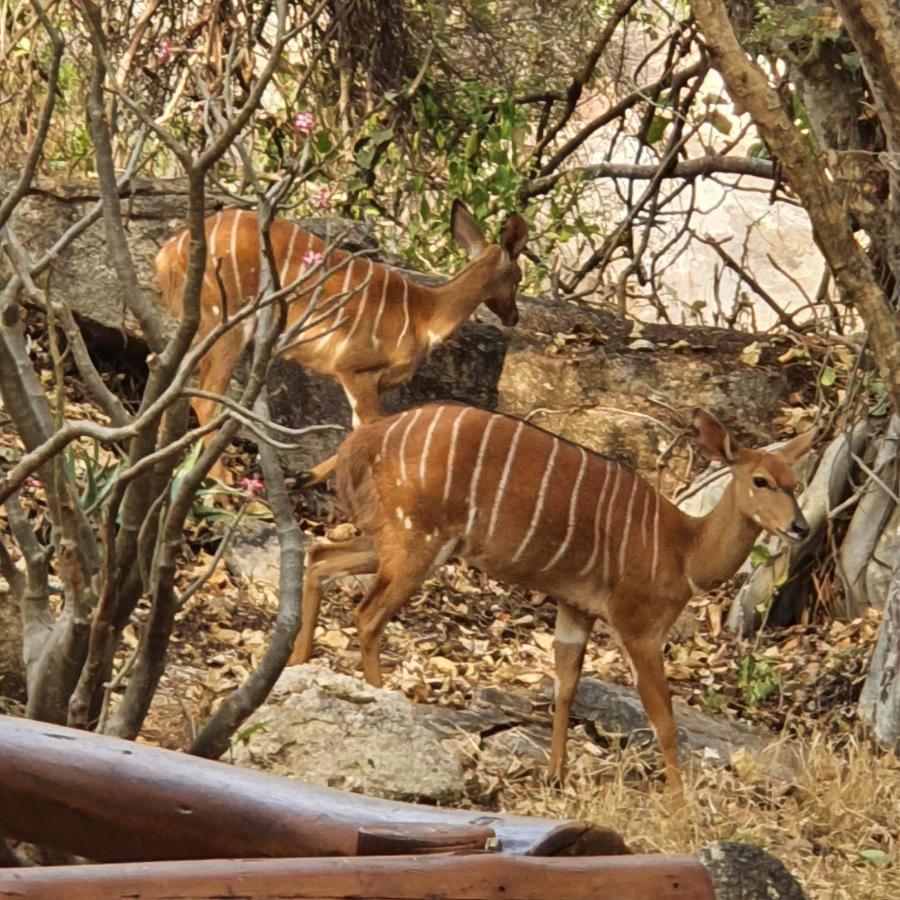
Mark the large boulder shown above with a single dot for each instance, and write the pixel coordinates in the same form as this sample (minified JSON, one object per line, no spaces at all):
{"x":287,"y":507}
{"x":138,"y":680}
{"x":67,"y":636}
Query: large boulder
{"x":334,"y":730}
{"x":616,"y":387}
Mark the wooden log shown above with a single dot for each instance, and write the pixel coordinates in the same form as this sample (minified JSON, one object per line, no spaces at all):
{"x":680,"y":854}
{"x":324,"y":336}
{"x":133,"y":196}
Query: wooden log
{"x":112,"y":800}
{"x":479,"y":877}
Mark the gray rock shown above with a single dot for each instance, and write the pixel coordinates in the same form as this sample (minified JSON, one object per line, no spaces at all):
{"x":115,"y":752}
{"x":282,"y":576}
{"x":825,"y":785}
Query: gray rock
{"x":334,"y":730}
{"x":614,"y":709}
{"x":254,"y":553}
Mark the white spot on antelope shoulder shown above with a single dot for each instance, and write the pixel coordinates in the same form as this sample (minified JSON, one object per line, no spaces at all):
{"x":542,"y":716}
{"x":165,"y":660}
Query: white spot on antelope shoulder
{"x":398,"y":482}
{"x":407,"y":523}
{"x":377,"y":458}
{"x":757,"y":519}
{"x":434,"y":338}
{"x":429,"y":538}
{"x":399,"y":513}
{"x":215,"y":310}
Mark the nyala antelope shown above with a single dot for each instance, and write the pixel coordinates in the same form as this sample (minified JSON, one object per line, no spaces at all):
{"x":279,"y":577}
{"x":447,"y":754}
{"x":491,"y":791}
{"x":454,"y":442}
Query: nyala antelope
{"x":371,"y":326}
{"x":530,"y":508}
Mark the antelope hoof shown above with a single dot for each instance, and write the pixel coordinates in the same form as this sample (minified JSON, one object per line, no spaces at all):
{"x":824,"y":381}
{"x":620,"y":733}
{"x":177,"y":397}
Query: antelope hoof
{"x":306,"y":479}
{"x":556,"y":773}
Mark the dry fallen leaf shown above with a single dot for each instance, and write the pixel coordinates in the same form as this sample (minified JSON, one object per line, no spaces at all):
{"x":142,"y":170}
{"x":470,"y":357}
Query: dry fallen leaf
{"x":750,"y":354}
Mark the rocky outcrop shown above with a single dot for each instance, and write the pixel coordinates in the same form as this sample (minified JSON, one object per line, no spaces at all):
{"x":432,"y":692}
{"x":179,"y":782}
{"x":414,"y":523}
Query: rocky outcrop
{"x":330,"y":729}
{"x":620,"y":389}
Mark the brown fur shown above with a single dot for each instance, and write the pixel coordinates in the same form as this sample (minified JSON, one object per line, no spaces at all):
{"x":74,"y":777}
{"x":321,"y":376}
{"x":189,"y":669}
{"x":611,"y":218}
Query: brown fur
{"x":530,"y":508}
{"x":371,"y":327}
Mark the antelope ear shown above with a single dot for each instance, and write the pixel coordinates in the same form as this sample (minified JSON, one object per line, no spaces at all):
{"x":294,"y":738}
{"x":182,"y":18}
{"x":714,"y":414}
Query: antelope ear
{"x":797,"y":446}
{"x":713,"y":437}
{"x":465,"y":230}
{"x":514,"y":235}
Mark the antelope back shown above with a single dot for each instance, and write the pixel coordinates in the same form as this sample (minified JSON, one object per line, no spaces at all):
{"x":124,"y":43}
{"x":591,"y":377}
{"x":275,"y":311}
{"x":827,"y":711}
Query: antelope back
{"x":520,"y":502}
{"x":232,"y":273}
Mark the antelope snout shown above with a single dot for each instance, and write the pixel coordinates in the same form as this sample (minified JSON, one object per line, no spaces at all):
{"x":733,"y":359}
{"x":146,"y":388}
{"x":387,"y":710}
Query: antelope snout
{"x":511,"y":318}
{"x":799,"y":529}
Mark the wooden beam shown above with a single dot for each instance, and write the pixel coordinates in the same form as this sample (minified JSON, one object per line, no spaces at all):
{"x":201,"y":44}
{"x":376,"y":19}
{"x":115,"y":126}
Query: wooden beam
{"x":113,"y":800}
{"x":479,"y":877}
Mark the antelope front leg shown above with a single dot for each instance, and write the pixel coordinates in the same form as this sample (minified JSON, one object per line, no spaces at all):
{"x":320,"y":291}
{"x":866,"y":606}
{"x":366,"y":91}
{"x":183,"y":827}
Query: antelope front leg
{"x":361,"y":389}
{"x":650,"y":679}
{"x":572,"y":631}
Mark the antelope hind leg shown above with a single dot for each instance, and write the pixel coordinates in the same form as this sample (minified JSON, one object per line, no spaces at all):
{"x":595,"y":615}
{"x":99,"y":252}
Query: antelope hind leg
{"x":325,"y":563}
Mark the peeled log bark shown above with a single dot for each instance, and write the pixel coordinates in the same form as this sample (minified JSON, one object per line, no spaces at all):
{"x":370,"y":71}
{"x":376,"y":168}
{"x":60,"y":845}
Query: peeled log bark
{"x":113,"y":800}
{"x":479,"y":877}
{"x":879,"y":704}
{"x":870,"y":517}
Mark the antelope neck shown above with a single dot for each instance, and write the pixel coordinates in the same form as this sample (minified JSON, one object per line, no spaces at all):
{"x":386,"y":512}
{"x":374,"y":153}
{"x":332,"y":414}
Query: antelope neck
{"x":721,"y":541}
{"x":448,"y":305}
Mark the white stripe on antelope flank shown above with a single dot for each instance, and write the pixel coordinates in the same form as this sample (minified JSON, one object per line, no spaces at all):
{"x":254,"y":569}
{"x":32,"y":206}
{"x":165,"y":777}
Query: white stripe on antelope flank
{"x":367,"y":282}
{"x":212,"y":256}
{"x":598,"y":512}
{"x":387,"y":434}
{"x":573,"y":503}
{"x":406,"y":432}
{"x":644,"y":509}
{"x":288,"y":258}
{"x":473,"y":489}
{"x":405,"y":312}
{"x":427,"y":445}
{"x":451,"y":453}
{"x":179,"y":247}
{"x":627,"y":533}
{"x":384,"y":293}
{"x":539,"y":505}
{"x":504,"y":477}
{"x":655,"y":537}
{"x":610,"y":507}
{"x":235,"y":268}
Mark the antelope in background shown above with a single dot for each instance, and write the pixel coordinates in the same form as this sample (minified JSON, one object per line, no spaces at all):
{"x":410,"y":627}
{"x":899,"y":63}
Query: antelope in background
{"x":530,"y":508}
{"x":370,"y":328}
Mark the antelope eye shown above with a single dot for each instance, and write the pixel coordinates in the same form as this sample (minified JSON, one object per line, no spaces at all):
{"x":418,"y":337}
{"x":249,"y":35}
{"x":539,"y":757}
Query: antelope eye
{"x":760,"y":482}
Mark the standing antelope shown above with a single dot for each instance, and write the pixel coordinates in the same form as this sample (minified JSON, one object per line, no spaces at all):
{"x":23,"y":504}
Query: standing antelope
{"x":371,"y":327}
{"x":530,"y":508}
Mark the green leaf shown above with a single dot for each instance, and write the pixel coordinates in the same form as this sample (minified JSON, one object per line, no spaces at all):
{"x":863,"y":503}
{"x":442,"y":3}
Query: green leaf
{"x":758,"y":151}
{"x":364,"y":156}
{"x":657,"y":129}
{"x":828,"y":377}
{"x":759,"y":555}
{"x":876,"y":858}
{"x":381,"y":135}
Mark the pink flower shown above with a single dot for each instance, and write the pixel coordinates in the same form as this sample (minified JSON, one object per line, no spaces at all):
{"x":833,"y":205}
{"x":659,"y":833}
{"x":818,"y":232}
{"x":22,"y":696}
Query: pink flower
{"x":312,"y":258}
{"x":164,"y":52}
{"x":322,"y":200}
{"x":252,"y":486}
{"x":305,"y":123}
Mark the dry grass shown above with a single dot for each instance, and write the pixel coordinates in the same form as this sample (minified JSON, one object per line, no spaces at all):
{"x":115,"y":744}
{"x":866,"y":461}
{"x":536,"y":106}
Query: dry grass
{"x":844,"y":802}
